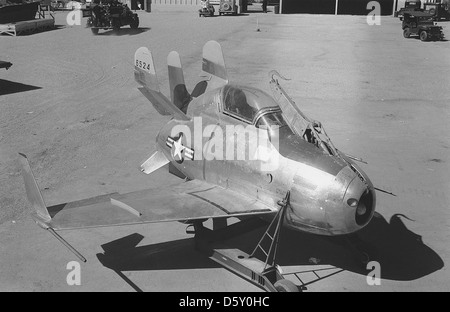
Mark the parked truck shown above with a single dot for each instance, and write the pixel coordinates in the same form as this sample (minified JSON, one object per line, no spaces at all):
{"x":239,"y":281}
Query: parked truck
{"x":439,"y":9}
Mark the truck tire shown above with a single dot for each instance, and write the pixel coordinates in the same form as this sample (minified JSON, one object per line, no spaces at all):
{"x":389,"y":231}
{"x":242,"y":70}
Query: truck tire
{"x":115,"y":24}
{"x":406,"y":32}
{"x":94,"y":31}
{"x":284,"y":285}
{"x":135,"y":23}
{"x":423,"y":35}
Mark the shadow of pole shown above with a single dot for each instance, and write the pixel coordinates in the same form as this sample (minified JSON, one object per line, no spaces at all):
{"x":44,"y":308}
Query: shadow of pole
{"x":128,"y":281}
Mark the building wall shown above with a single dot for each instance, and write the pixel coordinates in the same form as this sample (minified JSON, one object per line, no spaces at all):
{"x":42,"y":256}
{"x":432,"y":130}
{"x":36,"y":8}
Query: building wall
{"x":359,"y":7}
{"x":401,"y":3}
{"x":354,"y":7}
{"x":308,"y":6}
{"x":178,"y":2}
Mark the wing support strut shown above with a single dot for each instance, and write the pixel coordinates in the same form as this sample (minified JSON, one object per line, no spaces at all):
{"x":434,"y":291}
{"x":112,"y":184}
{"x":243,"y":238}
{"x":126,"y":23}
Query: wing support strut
{"x":62,"y":240}
{"x":265,"y":274}
{"x":272,"y":235}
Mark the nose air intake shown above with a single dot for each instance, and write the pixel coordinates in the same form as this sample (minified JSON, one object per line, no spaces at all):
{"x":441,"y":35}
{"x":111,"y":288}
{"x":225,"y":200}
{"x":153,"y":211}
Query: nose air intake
{"x":365,"y":208}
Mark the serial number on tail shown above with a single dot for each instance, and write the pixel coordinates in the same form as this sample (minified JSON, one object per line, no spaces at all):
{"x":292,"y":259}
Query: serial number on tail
{"x":143,"y":65}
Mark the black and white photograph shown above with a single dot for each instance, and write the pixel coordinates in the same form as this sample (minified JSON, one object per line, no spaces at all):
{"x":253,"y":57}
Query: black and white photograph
{"x":224,"y":147}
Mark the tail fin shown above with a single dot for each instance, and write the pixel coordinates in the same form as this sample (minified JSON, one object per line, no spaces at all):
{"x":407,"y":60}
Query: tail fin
{"x":156,"y":161}
{"x":178,"y":92}
{"x":33,"y":193}
{"x":145,"y":75}
{"x":214,"y":64}
{"x":144,"y":69}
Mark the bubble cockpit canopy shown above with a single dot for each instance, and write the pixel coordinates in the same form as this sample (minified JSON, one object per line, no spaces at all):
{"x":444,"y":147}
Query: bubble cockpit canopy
{"x":251,"y":105}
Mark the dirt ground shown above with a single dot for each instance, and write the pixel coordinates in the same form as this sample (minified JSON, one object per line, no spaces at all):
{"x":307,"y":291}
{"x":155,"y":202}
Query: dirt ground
{"x":71,"y":104}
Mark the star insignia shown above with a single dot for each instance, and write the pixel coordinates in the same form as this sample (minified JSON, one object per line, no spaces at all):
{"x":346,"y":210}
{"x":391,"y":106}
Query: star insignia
{"x":179,"y":151}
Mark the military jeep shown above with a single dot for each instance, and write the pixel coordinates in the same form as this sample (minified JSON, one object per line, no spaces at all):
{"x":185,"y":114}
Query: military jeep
{"x":421,"y":24}
{"x":110,"y":14}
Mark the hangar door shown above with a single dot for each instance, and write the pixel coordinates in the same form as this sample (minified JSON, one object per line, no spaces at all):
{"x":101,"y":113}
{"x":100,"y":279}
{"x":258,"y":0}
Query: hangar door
{"x":352,"y":7}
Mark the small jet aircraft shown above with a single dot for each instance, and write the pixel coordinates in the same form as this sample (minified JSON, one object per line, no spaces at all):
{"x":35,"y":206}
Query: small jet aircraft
{"x":290,"y":173}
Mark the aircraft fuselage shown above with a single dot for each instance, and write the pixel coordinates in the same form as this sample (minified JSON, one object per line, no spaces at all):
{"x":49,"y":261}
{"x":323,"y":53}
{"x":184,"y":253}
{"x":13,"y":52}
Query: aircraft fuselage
{"x":328,"y":196}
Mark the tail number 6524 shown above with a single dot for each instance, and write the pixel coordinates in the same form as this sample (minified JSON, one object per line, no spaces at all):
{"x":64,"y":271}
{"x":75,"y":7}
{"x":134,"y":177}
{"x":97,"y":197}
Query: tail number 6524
{"x":143,"y":65}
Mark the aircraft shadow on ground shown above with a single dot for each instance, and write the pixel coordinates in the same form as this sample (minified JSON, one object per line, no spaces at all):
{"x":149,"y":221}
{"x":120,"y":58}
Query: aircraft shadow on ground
{"x":9,"y":87}
{"x":124,"y":32}
{"x":401,"y":253}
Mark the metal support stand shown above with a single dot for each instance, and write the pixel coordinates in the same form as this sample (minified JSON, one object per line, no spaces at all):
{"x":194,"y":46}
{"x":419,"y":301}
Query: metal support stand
{"x":264,"y":274}
{"x":268,"y":243}
{"x":272,"y":235}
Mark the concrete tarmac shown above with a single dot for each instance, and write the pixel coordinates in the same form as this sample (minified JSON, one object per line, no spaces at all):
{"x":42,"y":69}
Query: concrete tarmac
{"x":71,"y":104}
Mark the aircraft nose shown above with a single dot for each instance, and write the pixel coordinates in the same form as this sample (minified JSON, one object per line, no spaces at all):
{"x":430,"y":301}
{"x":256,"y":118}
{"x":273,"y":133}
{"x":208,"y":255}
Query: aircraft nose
{"x":331,"y":205}
{"x":353,"y":204}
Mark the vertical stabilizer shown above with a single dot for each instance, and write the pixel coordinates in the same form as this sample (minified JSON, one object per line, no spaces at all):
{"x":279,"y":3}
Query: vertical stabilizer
{"x":145,"y":75}
{"x":144,"y":69}
{"x":178,"y":91}
{"x":214,"y":64}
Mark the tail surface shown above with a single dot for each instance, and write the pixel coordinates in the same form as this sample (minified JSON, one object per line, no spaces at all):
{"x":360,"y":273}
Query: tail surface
{"x":213,"y":63}
{"x":178,"y":91}
{"x":145,"y":75}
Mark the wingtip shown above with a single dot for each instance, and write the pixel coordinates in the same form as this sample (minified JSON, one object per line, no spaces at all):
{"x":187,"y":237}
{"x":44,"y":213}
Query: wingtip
{"x":32,"y":189}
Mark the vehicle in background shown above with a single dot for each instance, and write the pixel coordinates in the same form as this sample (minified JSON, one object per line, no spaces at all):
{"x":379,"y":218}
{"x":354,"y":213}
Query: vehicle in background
{"x":410,"y":6}
{"x":13,"y":11}
{"x":228,"y":7}
{"x":6,"y":65}
{"x":111,"y":15}
{"x":439,"y":10}
{"x":421,"y":24}
{"x":206,"y":9}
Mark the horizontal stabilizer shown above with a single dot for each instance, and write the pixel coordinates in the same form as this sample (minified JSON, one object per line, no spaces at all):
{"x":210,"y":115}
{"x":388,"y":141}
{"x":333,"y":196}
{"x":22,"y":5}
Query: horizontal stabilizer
{"x":156,"y":161}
